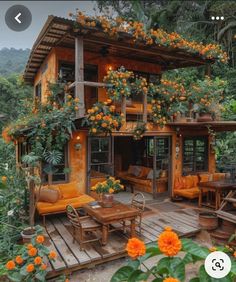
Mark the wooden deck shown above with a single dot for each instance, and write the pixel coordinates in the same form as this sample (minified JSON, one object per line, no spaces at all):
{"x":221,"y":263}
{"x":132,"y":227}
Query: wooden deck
{"x":70,"y":258}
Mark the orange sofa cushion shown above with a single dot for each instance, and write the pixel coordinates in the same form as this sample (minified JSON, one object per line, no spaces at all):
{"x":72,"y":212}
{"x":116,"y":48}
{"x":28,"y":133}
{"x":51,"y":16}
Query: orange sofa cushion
{"x":191,"y":193}
{"x":144,"y":172}
{"x":189,"y":181}
{"x":218,"y":176}
{"x":60,"y":206}
{"x":204,"y":177}
{"x":69,"y":190}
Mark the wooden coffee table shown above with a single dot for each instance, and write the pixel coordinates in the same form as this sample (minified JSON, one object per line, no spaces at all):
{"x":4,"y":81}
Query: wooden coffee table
{"x":107,"y":216}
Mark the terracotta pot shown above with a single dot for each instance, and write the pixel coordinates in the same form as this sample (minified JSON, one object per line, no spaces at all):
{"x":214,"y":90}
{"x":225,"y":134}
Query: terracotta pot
{"x":27,"y":234}
{"x":107,"y":200}
{"x":208,"y":220}
{"x":204,"y":117}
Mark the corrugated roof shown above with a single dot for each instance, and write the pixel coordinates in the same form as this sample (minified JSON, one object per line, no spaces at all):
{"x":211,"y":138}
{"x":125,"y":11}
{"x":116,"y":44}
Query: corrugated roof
{"x":61,"y":32}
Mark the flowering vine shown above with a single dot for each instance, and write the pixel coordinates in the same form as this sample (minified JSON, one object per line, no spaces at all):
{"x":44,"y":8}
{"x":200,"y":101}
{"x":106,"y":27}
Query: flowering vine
{"x":137,"y":31}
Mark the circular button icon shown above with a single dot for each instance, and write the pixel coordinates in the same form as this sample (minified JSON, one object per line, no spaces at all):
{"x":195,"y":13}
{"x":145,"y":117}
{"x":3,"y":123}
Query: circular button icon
{"x":218,"y":264}
{"x":18,"y":18}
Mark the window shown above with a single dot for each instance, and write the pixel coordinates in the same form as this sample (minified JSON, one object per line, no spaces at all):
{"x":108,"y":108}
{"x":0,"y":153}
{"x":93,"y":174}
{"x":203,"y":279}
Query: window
{"x":38,"y":92}
{"x":60,"y":174}
{"x":23,"y":149}
{"x":100,"y":156}
{"x":195,"y":154}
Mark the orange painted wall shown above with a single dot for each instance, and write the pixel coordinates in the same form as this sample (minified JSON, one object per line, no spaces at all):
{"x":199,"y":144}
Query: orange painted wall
{"x":78,"y":160}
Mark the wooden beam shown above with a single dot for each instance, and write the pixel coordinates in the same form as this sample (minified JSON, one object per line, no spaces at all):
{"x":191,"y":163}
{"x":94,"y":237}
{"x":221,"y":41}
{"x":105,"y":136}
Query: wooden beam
{"x":144,"y":107}
{"x":123,"y":107}
{"x":90,"y":83}
{"x":79,"y":74}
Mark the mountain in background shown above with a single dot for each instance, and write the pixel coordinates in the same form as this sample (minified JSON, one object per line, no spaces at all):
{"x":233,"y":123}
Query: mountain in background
{"x":13,"y":61}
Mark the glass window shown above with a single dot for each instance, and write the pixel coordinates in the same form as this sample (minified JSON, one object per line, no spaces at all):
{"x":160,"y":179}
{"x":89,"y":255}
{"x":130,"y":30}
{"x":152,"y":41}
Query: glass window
{"x":38,"y":92}
{"x":195,"y":154}
{"x":60,"y":174}
{"x":100,"y":156}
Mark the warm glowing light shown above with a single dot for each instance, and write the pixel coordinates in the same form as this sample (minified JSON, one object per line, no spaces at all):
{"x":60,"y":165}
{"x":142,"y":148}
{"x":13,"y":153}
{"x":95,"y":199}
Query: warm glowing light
{"x":78,"y":137}
{"x":109,"y":68}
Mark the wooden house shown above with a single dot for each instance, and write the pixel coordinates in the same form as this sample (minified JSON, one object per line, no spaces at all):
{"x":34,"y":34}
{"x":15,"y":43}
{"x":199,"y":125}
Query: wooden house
{"x":82,"y":56}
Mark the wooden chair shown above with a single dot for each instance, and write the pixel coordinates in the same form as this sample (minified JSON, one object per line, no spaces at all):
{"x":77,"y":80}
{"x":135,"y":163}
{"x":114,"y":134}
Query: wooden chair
{"x":85,"y":225}
{"x":138,"y":202}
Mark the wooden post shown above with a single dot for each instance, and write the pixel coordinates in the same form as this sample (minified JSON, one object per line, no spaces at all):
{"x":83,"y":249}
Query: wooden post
{"x":144,"y":107}
{"x":79,"y":74}
{"x":123,"y":107}
{"x":208,"y":70}
{"x":31,"y":198}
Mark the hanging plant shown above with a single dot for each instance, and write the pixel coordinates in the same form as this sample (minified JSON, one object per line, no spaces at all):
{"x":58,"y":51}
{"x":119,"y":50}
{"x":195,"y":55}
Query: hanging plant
{"x":139,"y":130}
{"x":102,"y":118}
{"x":119,"y":83}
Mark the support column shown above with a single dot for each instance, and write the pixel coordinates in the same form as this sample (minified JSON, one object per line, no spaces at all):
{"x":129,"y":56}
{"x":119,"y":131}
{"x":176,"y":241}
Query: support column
{"x":79,"y":74}
{"x":208,"y":70}
{"x":145,"y":107}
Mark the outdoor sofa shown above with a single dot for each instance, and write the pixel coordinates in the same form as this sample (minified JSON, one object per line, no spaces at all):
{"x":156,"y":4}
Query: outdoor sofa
{"x":54,"y":199}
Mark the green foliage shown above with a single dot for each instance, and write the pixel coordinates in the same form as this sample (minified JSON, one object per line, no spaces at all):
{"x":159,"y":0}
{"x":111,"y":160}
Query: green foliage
{"x":13,"y":61}
{"x":16,"y":99}
{"x":165,"y":267}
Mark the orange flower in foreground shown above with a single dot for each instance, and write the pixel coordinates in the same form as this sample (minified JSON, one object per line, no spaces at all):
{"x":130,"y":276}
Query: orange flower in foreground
{"x":52,"y":255}
{"x":32,"y":252}
{"x":29,"y":246}
{"x":212,"y":249}
{"x":169,"y":243}
{"x":19,"y":260}
{"x":30,"y":267}
{"x":40,"y":239}
{"x":43,"y":266}
{"x":38,"y":260}
{"x":67,"y":280}
{"x":135,"y":248}
{"x":171,"y":279}
{"x":234,"y":254}
{"x":10,"y":265}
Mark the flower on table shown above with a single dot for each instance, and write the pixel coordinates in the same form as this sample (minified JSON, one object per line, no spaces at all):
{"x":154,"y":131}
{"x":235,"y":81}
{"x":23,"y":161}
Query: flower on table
{"x":52,"y":255}
{"x":135,"y":248}
{"x":171,"y":279}
{"x":169,"y":242}
{"x":32,"y":252}
{"x":40,"y":239}
{"x":19,"y":260}
{"x":38,"y":260}
{"x":30,"y":267}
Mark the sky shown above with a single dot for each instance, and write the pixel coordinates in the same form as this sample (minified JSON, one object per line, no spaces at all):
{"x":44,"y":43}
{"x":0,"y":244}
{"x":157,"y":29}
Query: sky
{"x":40,"y":11}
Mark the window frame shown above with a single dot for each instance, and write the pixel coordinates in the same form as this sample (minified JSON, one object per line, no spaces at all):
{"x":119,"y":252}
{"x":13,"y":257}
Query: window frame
{"x":66,"y":165}
{"x":38,"y":87}
{"x":205,"y":154}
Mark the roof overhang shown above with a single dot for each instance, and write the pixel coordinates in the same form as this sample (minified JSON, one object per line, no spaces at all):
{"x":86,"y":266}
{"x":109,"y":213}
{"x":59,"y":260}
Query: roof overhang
{"x":61,"y":32}
{"x":217,"y":126}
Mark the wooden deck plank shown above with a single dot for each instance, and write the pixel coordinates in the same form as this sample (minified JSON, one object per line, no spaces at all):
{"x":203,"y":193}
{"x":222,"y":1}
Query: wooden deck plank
{"x":184,"y":219}
{"x":93,"y":254}
{"x":81,"y":256}
{"x":57,"y":264}
{"x":61,"y":246}
{"x":178,"y":226}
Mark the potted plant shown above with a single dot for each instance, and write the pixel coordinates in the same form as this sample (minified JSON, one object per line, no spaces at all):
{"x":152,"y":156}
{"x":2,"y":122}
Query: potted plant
{"x":206,"y":96}
{"x":106,"y":189}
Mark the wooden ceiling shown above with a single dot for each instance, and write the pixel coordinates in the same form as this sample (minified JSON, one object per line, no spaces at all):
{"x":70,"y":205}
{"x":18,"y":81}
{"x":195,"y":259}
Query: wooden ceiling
{"x":61,"y":32}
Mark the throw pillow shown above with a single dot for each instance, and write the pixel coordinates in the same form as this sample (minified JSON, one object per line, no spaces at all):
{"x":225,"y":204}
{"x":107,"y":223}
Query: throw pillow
{"x":137,"y":170}
{"x":69,"y":190}
{"x":150,"y":174}
{"x":49,"y":195}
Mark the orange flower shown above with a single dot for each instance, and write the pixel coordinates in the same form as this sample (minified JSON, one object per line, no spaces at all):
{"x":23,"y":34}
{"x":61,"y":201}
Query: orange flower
{"x":52,"y":255}
{"x":67,"y":280}
{"x":38,"y":260}
{"x":4,"y":179}
{"x":135,"y":248}
{"x":40,"y":239}
{"x":19,"y":260}
{"x":169,"y":243}
{"x":32,"y":252}
{"x":43,"y":266}
{"x":234,"y":254}
{"x":30,"y":267}
{"x":171,"y":279}
{"x":10,"y":265}
{"x":29,"y":246}
{"x":212,"y":249}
